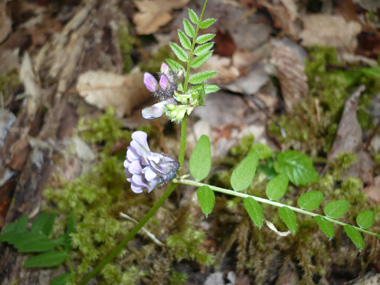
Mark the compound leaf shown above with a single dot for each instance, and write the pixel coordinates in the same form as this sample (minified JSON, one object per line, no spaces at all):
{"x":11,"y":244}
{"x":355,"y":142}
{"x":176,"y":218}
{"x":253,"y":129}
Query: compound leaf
{"x":193,"y":17}
{"x":206,"y":198}
{"x":203,"y":48}
{"x":189,"y":29}
{"x":185,"y":42}
{"x":254,"y":211}
{"x":204,"y":38}
{"x":200,"y":60}
{"x":207,"y":23}
{"x":200,"y":159}
{"x":174,"y":65}
{"x":200,"y":77}
{"x":179,"y":52}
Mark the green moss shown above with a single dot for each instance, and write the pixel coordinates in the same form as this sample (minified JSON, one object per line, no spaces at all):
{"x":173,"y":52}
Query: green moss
{"x":126,"y":47}
{"x":8,"y":83}
{"x":177,"y":278}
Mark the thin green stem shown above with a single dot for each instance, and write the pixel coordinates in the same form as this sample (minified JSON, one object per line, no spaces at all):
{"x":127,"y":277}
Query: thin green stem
{"x":182,"y":146}
{"x":265,"y":201}
{"x":192,"y":49}
{"x":68,"y":261}
{"x":131,"y":234}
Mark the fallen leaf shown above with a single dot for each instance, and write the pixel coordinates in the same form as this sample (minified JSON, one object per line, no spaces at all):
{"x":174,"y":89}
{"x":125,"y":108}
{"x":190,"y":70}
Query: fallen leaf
{"x":224,"y":44}
{"x":223,"y":65}
{"x":19,"y":153}
{"x":291,"y":74}
{"x":5,"y":21}
{"x":154,"y":14}
{"x":349,"y":134}
{"x":9,"y":60}
{"x":122,"y":92}
{"x":373,"y":191}
{"x":329,"y":30}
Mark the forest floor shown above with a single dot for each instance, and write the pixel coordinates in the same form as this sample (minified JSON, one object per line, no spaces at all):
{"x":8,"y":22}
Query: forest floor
{"x":294,"y":75}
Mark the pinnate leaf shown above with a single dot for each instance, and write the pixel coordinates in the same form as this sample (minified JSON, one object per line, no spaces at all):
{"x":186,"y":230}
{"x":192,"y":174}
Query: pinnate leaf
{"x":44,"y":224}
{"x":193,"y":17}
{"x":33,"y":242}
{"x":254,"y":211}
{"x":355,"y":236}
{"x":200,"y":60}
{"x":209,"y":88}
{"x":365,"y":219}
{"x":47,"y":259}
{"x":310,"y":200}
{"x":174,"y":65}
{"x":297,"y":166}
{"x":262,"y":150}
{"x":61,"y":279}
{"x":207,"y":23}
{"x":206,"y":198}
{"x":325,"y":225}
{"x":203,"y":48}
{"x":276,"y":187}
{"x":336,"y":209}
{"x":185,"y":42}
{"x":200,"y":159}
{"x":189,"y":29}
{"x":244,"y":173}
{"x":204,"y":38}
{"x":179,"y":52}
{"x":200,"y":77}
{"x":289,"y":218}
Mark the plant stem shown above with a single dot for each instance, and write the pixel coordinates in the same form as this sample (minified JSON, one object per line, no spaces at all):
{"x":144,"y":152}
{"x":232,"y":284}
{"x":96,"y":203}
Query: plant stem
{"x":68,"y":261}
{"x":182,"y":146}
{"x":266,"y":201}
{"x":131,"y":235}
{"x":192,"y":49}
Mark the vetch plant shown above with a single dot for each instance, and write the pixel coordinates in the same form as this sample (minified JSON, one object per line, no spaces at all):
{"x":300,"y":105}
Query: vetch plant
{"x":179,"y":90}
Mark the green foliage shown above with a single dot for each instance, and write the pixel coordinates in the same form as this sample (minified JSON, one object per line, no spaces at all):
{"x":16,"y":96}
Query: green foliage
{"x":179,"y":52}
{"x":289,"y":218}
{"x":206,"y":198}
{"x":310,"y":201}
{"x":177,"y":278}
{"x":336,"y":209}
{"x":47,"y":259}
{"x":262,"y":150}
{"x":276,"y":187}
{"x":325,"y":225}
{"x":62,"y":279}
{"x":204,"y":38}
{"x":200,"y":160}
{"x":189,"y":29}
{"x":355,"y":236}
{"x":200,"y":77}
{"x":207,"y":23}
{"x":243,"y":174}
{"x":202,"y":49}
{"x":185,"y":42}
{"x":193,"y":17}
{"x":365,"y":219}
{"x":297,"y":166}
{"x":126,"y":48}
{"x":254,"y":211}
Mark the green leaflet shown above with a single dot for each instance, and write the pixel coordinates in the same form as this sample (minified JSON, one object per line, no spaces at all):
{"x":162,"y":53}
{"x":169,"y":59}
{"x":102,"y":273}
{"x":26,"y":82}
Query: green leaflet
{"x":69,"y":230}
{"x":289,"y":218}
{"x":179,"y":52}
{"x":325,"y":225}
{"x":189,"y":29}
{"x":310,"y":200}
{"x":262,"y":150}
{"x":365,"y":219}
{"x":254,"y":211}
{"x":193,"y":16}
{"x":185,"y":42}
{"x":206,"y":198}
{"x":244,"y":173}
{"x":276,"y":187}
{"x":297,"y":166}
{"x":47,"y":259}
{"x":203,"y":48}
{"x":200,"y":77}
{"x":200,"y":159}
{"x":200,"y":60}
{"x":207,"y":23}
{"x":209,"y":88}
{"x":44,"y":224}
{"x":61,"y":279}
{"x":355,"y":236}
{"x":33,"y":242}
{"x":204,"y":38}
{"x":174,"y":65}
{"x":336,"y":209}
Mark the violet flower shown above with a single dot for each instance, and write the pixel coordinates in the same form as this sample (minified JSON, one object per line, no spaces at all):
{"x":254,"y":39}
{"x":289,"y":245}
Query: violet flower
{"x":146,"y":169}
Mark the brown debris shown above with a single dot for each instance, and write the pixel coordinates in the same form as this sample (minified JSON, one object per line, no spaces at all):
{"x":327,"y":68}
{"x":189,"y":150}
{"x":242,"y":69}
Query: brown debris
{"x":291,"y":74}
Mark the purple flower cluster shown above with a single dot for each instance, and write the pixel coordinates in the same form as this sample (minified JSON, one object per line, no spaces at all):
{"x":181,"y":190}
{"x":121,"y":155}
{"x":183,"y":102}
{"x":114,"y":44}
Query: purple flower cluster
{"x":146,"y":169}
{"x":164,"y":90}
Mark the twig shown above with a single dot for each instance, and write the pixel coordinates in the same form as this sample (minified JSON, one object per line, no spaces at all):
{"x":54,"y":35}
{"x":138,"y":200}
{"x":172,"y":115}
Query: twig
{"x":148,"y":233}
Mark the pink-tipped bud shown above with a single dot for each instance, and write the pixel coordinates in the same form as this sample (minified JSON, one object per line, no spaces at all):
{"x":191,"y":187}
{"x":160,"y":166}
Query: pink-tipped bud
{"x":164,"y":82}
{"x":150,"y":82}
{"x":164,"y":68}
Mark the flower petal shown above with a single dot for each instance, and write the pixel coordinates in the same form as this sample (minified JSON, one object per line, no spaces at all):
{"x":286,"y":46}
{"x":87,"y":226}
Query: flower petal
{"x":150,"y":82}
{"x":137,"y":180}
{"x":131,"y":154}
{"x":135,"y":167}
{"x":164,"y":82}
{"x":137,"y":189}
{"x":164,"y":68}
{"x":149,"y":174}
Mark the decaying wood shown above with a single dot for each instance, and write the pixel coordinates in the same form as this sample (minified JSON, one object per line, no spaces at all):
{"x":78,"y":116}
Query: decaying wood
{"x":88,"y":41}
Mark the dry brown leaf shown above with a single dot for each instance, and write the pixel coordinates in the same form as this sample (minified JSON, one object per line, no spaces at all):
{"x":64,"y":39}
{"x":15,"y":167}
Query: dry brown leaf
{"x":223,"y":65}
{"x":373,"y":191}
{"x":330,"y":30}
{"x":5,"y":21}
{"x":104,"y":89}
{"x":291,"y":74}
{"x":349,"y":135}
{"x":154,"y":14}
